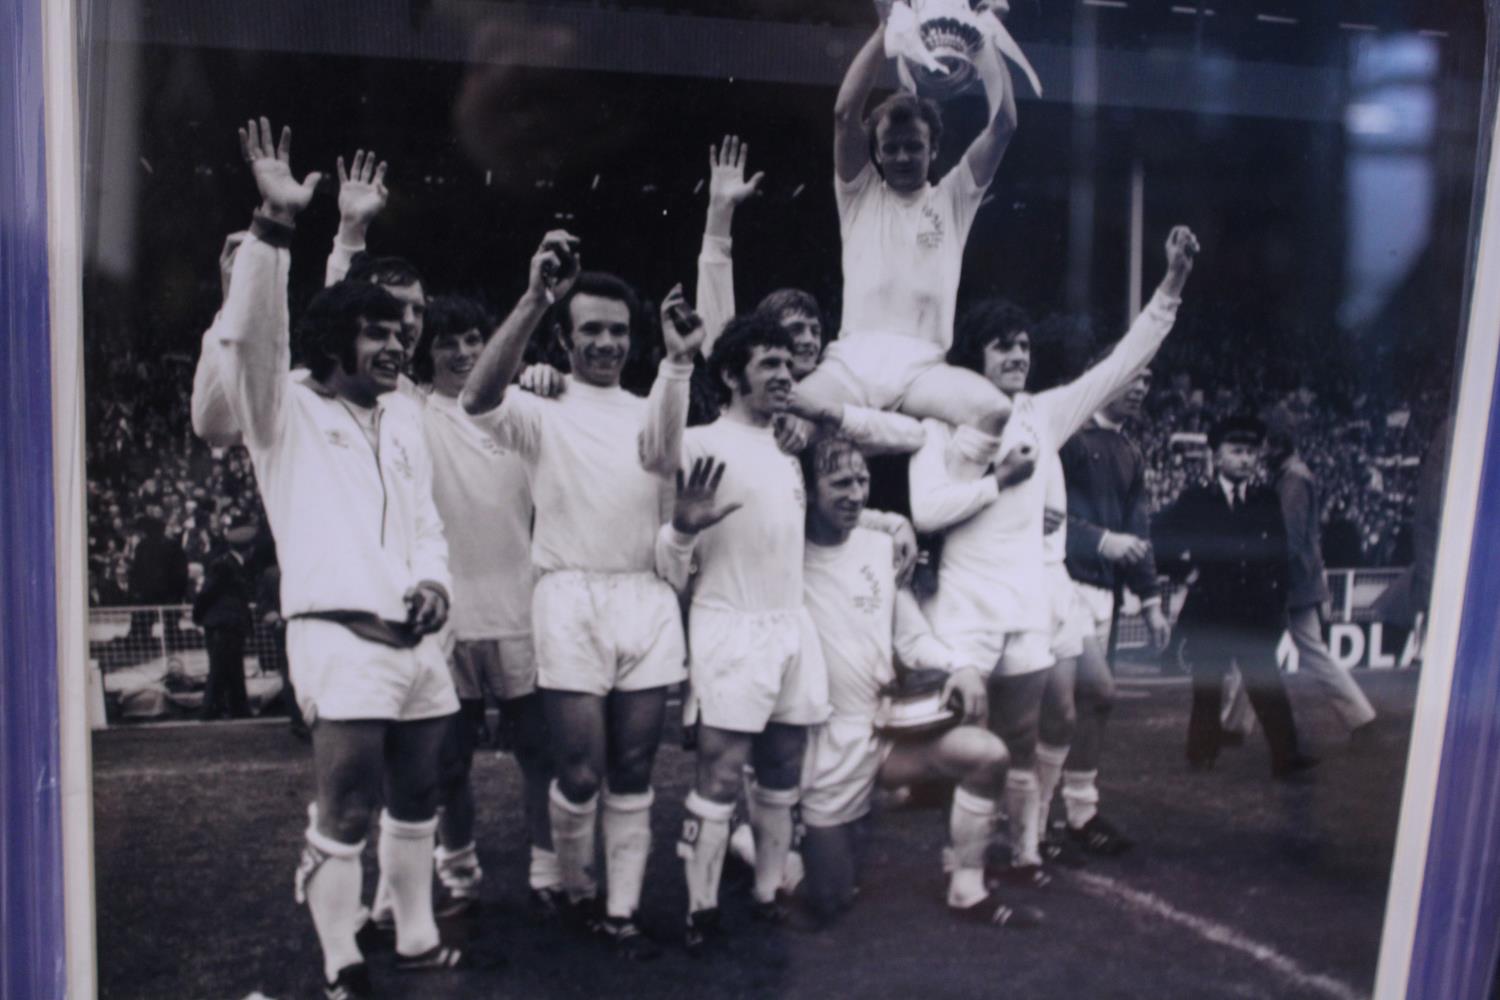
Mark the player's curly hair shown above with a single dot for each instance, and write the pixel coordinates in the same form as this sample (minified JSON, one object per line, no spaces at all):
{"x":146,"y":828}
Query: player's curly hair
{"x":333,"y":319}
{"x":903,"y":108}
{"x":735,"y":345}
{"x":983,"y":324}
{"x":447,"y":315}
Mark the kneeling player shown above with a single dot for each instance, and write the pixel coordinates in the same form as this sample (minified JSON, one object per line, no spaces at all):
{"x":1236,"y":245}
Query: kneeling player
{"x":863,"y":619}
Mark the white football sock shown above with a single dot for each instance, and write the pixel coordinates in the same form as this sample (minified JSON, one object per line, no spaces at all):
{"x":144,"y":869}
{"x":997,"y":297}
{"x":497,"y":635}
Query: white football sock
{"x":1080,"y":796}
{"x":1023,"y":804}
{"x":771,"y":820}
{"x":544,"y":872}
{"x":971,"y":820}
{"x":329,"y":880}
{"x":1049,"y":767}
{"x":459,"y":869}
{"x":742,"y":844}
{"x":381,"y":910}
{"x":705,"y":836}
{"x":627,"y":844}
{"x":405,"y":854}
{"x":573,"y":839}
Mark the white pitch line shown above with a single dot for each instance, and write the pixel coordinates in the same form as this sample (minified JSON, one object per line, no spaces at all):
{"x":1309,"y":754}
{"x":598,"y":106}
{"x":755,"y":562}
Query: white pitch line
{"x":148,"y":773}
{"x":1217,"y":933}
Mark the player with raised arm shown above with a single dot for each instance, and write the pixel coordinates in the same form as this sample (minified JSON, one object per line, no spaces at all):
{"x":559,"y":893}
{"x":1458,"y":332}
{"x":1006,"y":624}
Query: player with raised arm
{"x":347,"y":484}
{"x":484,"y":499}
{"x":903,"y":244}
{"x":756,"y":666}
{"x":866,"y":623}
{"x":992,"y":601}
{"x":607,"y":630}
{"x":362,"y":194}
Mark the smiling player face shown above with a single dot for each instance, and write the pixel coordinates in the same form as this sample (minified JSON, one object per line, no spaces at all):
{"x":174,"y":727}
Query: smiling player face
{"x":600,"y":341}
{"x":841,"y":492}
{"x":766,"y":384}
{"x":453,"y":357}
{"x":1006,"y":364}
{"x":379,"y":352}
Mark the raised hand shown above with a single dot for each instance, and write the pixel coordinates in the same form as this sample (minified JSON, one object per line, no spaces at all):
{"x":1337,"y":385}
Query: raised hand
{"x":282,"y":195}
{"x":726,"y":172}
{"x":555,"y":265}
{"x":682,"y":329}
{"x":1182,"y":247}
{"x":697,"y":505}
{"x":362,"y":190}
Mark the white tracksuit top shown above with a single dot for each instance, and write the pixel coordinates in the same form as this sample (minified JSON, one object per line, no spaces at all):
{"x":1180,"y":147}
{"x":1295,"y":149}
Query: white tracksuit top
{"x":355,"y":524}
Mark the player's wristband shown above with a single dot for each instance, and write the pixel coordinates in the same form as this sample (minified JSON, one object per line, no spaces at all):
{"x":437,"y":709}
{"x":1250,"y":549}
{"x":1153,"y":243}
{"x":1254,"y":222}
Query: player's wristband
{"x":271,"y":232}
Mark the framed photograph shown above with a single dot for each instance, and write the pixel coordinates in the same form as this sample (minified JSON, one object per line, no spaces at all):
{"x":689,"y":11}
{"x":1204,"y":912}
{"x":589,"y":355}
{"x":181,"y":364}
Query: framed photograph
{"x":803,"y":499}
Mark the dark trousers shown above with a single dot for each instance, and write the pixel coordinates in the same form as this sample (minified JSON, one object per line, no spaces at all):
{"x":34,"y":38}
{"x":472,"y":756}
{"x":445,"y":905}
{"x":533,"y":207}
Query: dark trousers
{"x":1213,"y":650}
{"x":226,"y":674}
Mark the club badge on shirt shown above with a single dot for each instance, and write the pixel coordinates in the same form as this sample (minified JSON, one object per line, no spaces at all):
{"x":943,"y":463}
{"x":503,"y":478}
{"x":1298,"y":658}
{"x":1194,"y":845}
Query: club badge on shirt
{"x":930,"y":232}
{"x":868,"y":603}
{"x":402,"y":462}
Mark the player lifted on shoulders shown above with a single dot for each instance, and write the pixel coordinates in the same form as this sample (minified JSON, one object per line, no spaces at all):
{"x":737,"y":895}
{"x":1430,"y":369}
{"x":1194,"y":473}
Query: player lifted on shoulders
{"x":757,"y":668}
{"x":992,"y":601}
{"x":607,"y":630}
{"x":346,"y":481}
{"x":903,"y":241}
{"x":793,"y":309}
{"x":864,"y":620}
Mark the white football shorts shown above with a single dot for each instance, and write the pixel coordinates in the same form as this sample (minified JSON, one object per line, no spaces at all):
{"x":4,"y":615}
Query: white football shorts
{"x":749,"y":669}
{"x":602,"y":632}
{"x":1098,"y":607}
{"x":877,"y":369}
{"x":1071,"y":620}
{"x":840,"y":771}
{"x":339,"y":676}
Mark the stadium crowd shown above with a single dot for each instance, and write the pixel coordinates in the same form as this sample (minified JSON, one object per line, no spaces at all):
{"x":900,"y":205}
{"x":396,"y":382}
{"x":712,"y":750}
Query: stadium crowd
{"x":145,"y":463}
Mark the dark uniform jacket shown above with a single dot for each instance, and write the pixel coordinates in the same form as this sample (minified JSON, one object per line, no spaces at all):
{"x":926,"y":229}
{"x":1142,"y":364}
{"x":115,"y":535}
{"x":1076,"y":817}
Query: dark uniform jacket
{"x":224,"y":601}
{"x":1239,"y":554}
{"x":1106,"y":476}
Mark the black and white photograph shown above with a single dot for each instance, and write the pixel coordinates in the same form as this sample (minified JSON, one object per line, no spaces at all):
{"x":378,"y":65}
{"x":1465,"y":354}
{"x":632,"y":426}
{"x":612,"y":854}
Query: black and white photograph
{"x":788,"y":498}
